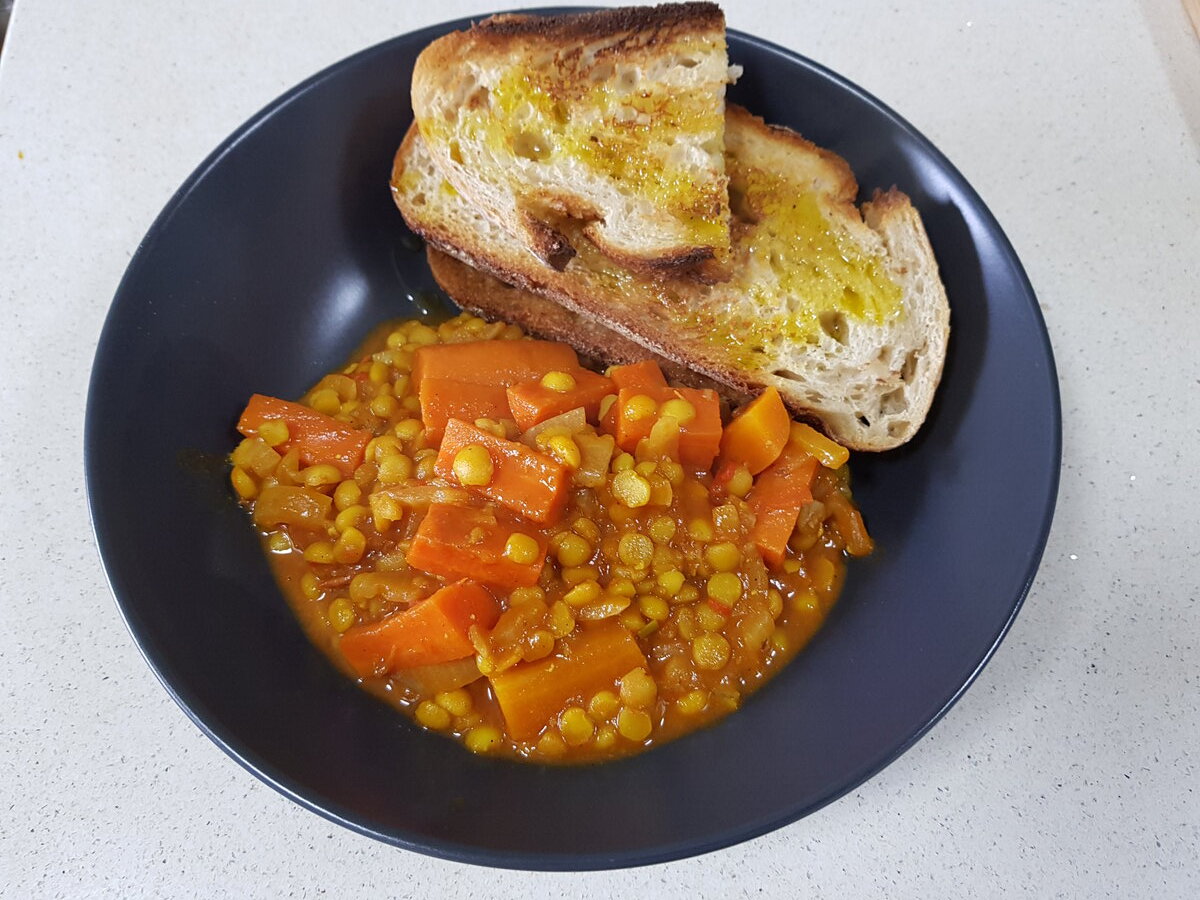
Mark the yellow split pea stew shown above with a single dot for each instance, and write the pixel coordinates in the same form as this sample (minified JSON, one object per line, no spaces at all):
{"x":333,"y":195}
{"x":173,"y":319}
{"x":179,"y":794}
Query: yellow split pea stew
{"x":542,"y":561}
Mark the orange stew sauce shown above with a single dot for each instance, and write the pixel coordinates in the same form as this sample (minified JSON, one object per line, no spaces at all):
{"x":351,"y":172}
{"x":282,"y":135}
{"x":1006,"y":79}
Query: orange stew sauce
{"x":542,"y":561}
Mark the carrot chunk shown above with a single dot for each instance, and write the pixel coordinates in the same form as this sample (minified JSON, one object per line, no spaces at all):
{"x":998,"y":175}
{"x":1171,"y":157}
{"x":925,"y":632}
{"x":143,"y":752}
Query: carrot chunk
{"x":492,"y":362}
{"x":318,"y":438}
{"x":776,"y":498}
{"x":590,"y":660}
{"x":700,"y":439}
{"x":430,"y":631}
{"x":533,"y":401}
{"x":758,"y":432}
{"x":638,"y":409}
{"x":644,"y":377}
{"x":529,"y":483}
{"x":443,"y":399}
{"x":638,"y":376}
{"x":459,"y":542}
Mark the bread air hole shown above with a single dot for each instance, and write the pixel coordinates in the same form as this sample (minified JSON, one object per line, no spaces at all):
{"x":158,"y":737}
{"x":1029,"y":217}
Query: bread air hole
{"x":833,"y":323}
{"x":478,"y":98}
{"x":689,"y":63}
{"x":893,"y":402}
{"x":787,"y":374}
{"x":909,"y":370}
{"x":738,"y":206}
{"x":897,"y":428}
{"x":531,"y":145}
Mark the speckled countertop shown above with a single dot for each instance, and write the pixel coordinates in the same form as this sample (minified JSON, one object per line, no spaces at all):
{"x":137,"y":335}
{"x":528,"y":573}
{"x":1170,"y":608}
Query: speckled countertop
{"x":1069,"y":769}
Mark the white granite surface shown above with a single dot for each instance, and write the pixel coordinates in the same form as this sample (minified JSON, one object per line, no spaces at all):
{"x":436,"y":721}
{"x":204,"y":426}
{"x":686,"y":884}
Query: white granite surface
{"x":1071,"y":768}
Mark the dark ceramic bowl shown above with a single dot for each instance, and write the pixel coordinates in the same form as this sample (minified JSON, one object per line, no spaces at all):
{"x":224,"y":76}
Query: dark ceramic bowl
{"x":274,"y":260}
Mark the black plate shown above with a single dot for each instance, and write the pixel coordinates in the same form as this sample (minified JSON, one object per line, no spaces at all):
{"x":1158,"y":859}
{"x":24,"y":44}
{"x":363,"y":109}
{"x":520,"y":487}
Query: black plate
{"x":272,"y":262}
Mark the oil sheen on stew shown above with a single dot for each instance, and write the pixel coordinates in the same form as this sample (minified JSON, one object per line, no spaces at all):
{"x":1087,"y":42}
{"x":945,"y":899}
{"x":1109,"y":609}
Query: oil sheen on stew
{"x":539,"y":560}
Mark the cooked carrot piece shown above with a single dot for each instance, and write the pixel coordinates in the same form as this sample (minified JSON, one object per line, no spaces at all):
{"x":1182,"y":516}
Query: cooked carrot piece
{"x":492,"y":362}
{"x":534,"y":401}
{"x":443,"y":399}
{"x":633,"y":421}
{"x":529,"y":483}
{"x":590,"y":660}
{"x":644,"y":377}
{"x":430,"y":631}
{"x":317,"y":437}
{"x":779,"y":492}
{"x":758,"y":432}
{"x":460,"y":542}
{"x":637,"y":409}
{"x":638,"y":376}
{"x":700,"y":439}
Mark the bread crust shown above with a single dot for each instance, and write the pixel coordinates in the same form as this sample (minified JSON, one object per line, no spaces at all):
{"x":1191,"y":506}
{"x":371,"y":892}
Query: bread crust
{"x":480,"y":293}
{"x":651,"y":21}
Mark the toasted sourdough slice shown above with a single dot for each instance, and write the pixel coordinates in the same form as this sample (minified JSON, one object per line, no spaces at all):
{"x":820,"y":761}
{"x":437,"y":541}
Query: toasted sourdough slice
{"x":478,"y":292}
{"x":843,"y":313}
{"x":613,"y":119}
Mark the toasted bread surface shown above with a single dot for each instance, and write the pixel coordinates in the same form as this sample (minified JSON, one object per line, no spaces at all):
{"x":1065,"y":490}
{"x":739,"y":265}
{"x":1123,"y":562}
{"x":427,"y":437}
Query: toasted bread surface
{"x":842,"y":312}
{"x":611,"y":120}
